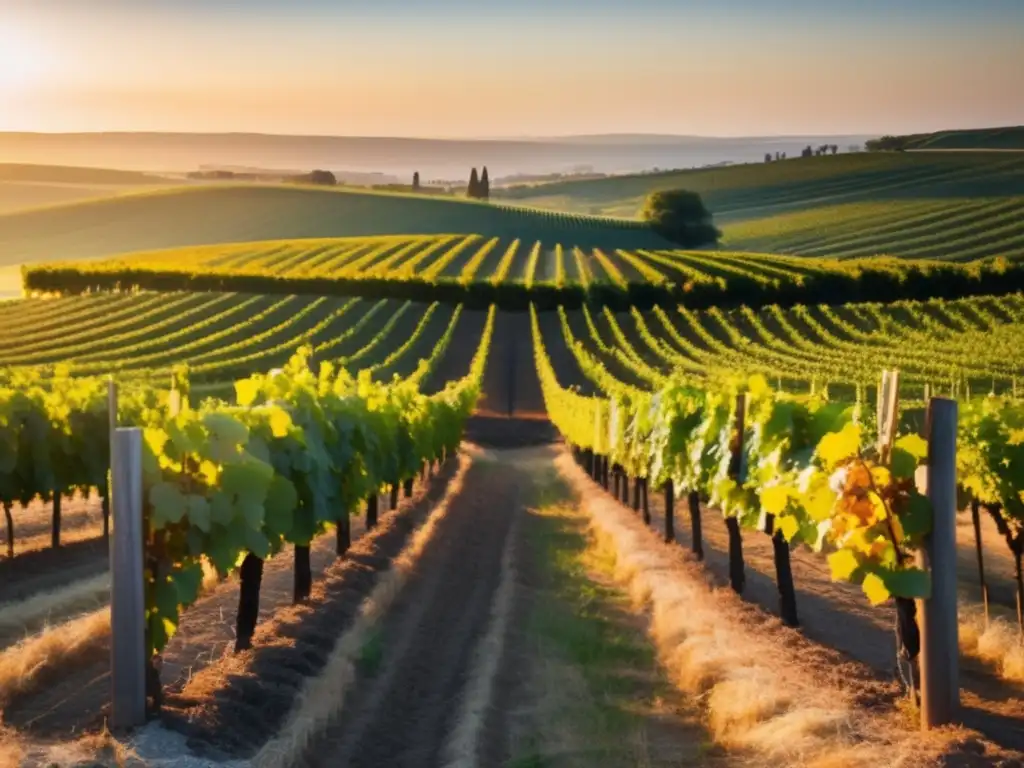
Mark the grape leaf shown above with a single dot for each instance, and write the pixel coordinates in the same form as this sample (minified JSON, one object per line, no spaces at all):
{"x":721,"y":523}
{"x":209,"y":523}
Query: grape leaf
{"x":199,"y":512}
{"x":908,"y":582}
{"x":842,"y":564}
{"x":875,"y":589}
{"x":187,"y":580}
{"x":257,"y":543}
{"x":246,"y":392}
{"x":168,"y":504}
{"x":917,"y":519}
{"x":904,"y":464}
{"x":836,"y":447}
{"x":913,"y":444}
{"x":774,"y":499}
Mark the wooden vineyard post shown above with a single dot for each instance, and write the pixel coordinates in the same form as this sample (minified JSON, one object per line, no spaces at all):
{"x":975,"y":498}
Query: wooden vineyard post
{"x":625,"y":488}
{"x":394,"y":496}
{"x":696,"y":532}
{"x":604,"y":472}
{"x":982,"y":582}
{"x":940,"y":655}
{"x":637,"y":482}
{"x":127,"y":606}
{"x":616,"y":478}
{"x":407,"y":490}
{"x":595,"y":466}
{"x":371,"y":510}
{"x":670,"y":511}
{"x":737,"y":574}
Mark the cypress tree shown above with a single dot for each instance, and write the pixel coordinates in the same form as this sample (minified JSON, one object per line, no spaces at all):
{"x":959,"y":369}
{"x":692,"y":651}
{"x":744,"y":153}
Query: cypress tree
{"x":473,"y":190}
{"x":416,"y":181}
{"x":485,"y":185}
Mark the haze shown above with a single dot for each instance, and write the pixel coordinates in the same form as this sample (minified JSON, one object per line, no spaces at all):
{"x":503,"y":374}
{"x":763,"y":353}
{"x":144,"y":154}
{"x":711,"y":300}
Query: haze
{"x":502,"y":69}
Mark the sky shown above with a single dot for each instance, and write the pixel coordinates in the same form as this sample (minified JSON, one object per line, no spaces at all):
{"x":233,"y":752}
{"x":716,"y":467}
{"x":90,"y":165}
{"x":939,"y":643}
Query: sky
{"x":490,"y":68}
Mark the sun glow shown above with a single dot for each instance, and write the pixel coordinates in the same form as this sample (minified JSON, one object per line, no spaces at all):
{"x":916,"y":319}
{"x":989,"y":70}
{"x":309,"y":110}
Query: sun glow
{"x":23,"y":60}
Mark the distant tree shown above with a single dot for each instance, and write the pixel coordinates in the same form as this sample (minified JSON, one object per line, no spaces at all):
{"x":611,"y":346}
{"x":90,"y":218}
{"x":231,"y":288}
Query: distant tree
{"x":808,"y":151}
{"x":473,"y":190}
{"x":783,"y":155}
{"x":768,"y":157}
{"x":778,"y":156}
{"x":318,"y":177}
{"x":679,"y":215}
{"x":416,"y":181}
{"x":485,"y":185}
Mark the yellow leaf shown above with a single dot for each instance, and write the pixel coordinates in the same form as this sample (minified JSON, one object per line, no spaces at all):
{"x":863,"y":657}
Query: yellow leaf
{"x":843,"y":563}
{"x":246,"y":391}
{"x":913,"y":444}
{"x":875,"y":589}
{"x":879,"y":509}
{"x":789,"y":526}
{"x":881,"y":476}
{"x":280,"y":422}
{"x":819,"y":502}
{"x":774,"y":499}
{"x":757,"y":385}
{"x":838,"y":446}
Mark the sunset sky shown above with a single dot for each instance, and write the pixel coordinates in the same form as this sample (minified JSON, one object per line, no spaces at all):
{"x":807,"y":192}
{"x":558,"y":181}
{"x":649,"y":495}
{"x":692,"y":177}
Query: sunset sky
{"x":455,"y":68}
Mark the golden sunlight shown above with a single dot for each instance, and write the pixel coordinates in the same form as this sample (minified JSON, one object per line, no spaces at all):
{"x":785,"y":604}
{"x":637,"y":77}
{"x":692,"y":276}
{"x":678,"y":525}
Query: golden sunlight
{"x":23,"y":60}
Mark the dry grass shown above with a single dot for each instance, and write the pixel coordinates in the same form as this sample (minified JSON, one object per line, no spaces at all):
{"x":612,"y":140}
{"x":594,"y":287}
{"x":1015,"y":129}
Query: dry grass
{"x":40,"y":657}
{"x":997,"y":642}
{"x":29,"y":615}
{"x":767,"y":691}
{"x":322,"y":697}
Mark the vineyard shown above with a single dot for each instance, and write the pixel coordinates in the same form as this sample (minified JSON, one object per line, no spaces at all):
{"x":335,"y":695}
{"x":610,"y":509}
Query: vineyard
{"x":965,"y":348}
{"x":310,"y":372}
{"x":513,"y":273}
{"x":958,"y":229}
{"x":222,"y":337}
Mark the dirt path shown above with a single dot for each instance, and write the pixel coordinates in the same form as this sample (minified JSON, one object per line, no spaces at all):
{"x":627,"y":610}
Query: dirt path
{"x":491,"y":657}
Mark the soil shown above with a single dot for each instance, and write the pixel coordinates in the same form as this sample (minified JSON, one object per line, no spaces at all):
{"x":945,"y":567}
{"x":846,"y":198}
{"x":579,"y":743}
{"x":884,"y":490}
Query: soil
{"x":410,"y":694}
{"x":81,"y":520}
{"x":45,"y":569}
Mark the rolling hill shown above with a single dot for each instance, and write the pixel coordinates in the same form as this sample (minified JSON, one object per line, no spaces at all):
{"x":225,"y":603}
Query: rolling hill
{"x":937,"y":205}
{"x":202,"y":215}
